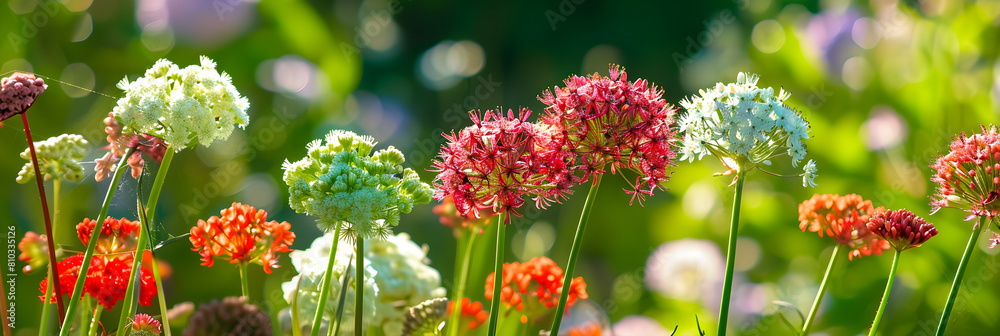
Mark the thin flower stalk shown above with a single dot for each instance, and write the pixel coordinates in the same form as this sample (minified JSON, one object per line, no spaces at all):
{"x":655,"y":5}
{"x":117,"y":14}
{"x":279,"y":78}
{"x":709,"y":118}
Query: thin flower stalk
{"x":959,"y":274}
{"x":359,"y":287}
{"x":885,"y":296}
{"x":822,"y":291}
{"x":588,"y":205}
{"x":903,"y":230}
{"x":467,"y":242}
{"x":325,"y":285}
{"x":95,"y":321}
{"x":498,"y":270}
{"x":727,"y":287}
{"x":91,"y":245}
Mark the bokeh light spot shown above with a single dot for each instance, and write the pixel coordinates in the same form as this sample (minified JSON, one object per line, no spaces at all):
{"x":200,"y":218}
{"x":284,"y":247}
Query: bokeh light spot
{"x":80,"y":75}
{"x":768,"y":36}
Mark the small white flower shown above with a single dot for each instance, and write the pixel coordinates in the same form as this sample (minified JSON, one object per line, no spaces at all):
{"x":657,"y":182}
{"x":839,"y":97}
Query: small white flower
{"x":809,"y":176}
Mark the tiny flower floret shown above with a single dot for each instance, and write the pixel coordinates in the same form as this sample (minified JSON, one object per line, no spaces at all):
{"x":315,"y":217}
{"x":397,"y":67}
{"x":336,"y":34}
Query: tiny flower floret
{"x":901,"y":228}
{"x":745,"y":123}
{"x":58,"y":158}
{"x":181,"y":106}
{"x":341,"y":180}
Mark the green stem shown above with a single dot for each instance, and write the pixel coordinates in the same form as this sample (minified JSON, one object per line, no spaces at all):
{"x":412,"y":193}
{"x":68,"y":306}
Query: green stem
{"x":467,"y":241}
{"x":84,"y":317}
{"x":885,"y":297}
{"x":243,"y":281}
{"x":574,"y":252}
{"x":498,"y":275}
{"x":296,"y":325}
{"x":958,"y":276}
{"x":324,"y":288}
{"x":44,"y":326}
{"x":94,"y":323}
{"x":56,"y":187}
{"x":91,"y":245}
{"x":160,"y":295}
{"x":822,"y":291}
{"x":145,"y":241}
{"x":734,"y":226}
{"x":341,"y":300}
{"x":359,"y":288}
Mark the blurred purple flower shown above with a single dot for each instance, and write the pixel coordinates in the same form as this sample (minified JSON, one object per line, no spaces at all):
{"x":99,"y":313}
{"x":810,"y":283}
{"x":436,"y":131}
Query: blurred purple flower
{"x":639,"y":325}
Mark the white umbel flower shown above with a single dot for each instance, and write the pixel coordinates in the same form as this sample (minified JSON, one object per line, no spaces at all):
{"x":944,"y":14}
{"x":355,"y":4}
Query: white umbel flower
{"x":404,"y":279}
{"x":743,"y":124}
{"x":196,"y":104}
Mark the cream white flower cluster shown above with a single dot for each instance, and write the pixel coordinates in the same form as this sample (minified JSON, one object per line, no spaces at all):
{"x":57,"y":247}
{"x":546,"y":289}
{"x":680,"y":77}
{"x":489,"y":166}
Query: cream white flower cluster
{"x":744,"y":124}
{"x":341,"y":181}
{"x":58,"y":158}
{"x":181,"y":106}
{"x":404,"y":279}
{"x":311,"y":265}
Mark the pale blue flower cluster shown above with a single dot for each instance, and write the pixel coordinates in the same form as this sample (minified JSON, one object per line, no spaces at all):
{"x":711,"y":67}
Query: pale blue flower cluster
{"x":342,"y":183}
{"x":744,"y":123}
{"x":311,"y":265}
{"x":58,"y":158}
{"x":182,"y":106}
{"x":404,"y":279}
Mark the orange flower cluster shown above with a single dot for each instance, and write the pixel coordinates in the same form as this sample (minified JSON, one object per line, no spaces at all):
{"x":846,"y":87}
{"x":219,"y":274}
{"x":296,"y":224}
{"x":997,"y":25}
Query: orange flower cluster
{"x":541,"y":280}
{"x":34,"y":251}
{"x":110,"y":268}
{"x":844,"y":219}
{"x":472,"y":312}
{"x":242,"y":234}
{"x":589,"y":329}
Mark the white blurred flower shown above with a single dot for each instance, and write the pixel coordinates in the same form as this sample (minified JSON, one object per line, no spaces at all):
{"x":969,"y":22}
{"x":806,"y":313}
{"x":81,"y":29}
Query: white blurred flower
{"x":404,"y":279}
{"x":688,"y":270}
{"x":311,"y":265}
{"x":809,"y":177}
{"x":639,"y":325}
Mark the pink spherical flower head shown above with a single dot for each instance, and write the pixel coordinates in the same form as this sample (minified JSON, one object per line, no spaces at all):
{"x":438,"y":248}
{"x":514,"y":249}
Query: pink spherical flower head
{"x":968,"y":177}
{"x":18,"y":93}
{"x":901,"y":228}
{"x":611,"y":122}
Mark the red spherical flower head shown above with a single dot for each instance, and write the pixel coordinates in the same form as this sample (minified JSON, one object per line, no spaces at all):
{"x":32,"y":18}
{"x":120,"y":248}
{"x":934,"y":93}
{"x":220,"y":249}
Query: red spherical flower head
{"x":844,"y":219}
{"x":117,"y":236}
{"x":612,"y":121}
{"x":901,"y":228}
{"x":242,"y":235}
{"x":144,"y":324}
{"x":968,"y":177}
{"x":540,"y":280}
{"x":18,"y":93}
{"x":449,"y":216}
{"x":106,"y":281}
{"x":473,"y":314}
{"x":34,"y":251}
{"x":486,"y":165}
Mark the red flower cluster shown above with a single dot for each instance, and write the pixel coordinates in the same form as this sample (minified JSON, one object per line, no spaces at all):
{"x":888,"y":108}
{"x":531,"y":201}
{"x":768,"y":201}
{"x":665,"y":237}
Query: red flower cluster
{"x":243,"y":234}
{"x":118,"y":143}
{"x":107,"y":280}
{"x":472,"y":312}
{"x":844,"y":219}
{"x":145,"y":325}
{"x":116,"y":237}
{"x":609,"y":120}
{"x":590,"y":124}
{"x":968,"y":177}
{"x":111,"y":266}
{"x":901,"y":228}
{"x":541,"y":280}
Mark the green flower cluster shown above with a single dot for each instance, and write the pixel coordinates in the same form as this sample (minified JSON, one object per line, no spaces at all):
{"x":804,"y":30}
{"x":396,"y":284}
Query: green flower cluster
{"x":58,"y":158}
{"x":404,"y":279}
{"x":182,"y":106}
{"x":305,"y":287}
{"x":341,"y":181}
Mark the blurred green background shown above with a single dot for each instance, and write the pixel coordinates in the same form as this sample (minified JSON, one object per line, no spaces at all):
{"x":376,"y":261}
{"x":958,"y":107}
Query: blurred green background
{"x":885,"y":85}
